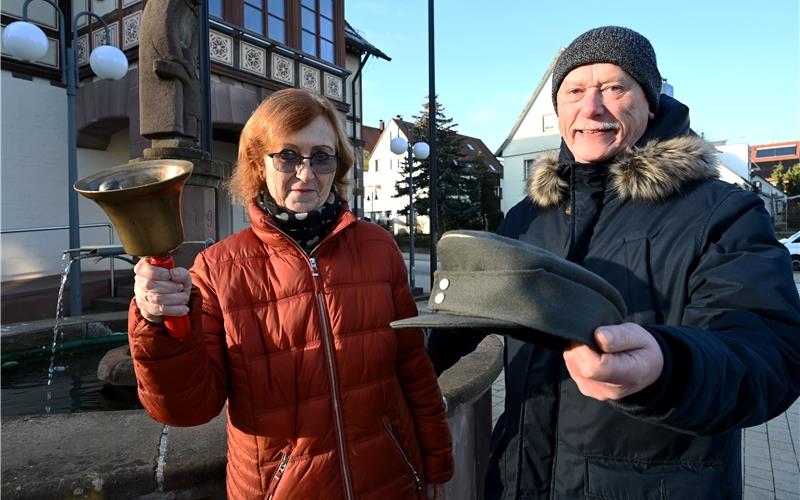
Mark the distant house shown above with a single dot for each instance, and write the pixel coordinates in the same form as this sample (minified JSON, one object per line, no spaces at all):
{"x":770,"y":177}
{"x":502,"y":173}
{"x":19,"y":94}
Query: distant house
{"x":384,"y":170}
{"x":765,"y":157}
{"x":736,"y":167}
{"x":534,"y":134}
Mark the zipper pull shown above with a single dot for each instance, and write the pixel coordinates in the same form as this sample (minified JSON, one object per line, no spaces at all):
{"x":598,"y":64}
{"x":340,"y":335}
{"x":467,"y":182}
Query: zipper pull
{"x":314,"y":270}
{"x":276,"y":478}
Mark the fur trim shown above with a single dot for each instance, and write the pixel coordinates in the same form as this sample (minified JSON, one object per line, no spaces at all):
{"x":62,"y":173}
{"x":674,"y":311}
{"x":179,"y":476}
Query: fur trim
{"x":651,"y":173}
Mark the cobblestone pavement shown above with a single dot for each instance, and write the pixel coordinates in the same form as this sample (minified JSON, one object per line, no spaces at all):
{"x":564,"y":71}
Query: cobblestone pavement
{"x":771,"y":470}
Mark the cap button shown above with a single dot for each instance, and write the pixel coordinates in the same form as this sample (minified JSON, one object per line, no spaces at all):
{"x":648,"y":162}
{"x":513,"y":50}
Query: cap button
{"x":444,"y":283}
{"x":438,"y":298}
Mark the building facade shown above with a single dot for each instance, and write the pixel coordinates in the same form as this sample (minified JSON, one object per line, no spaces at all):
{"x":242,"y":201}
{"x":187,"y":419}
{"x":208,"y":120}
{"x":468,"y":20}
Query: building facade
{"x":256,"y":47}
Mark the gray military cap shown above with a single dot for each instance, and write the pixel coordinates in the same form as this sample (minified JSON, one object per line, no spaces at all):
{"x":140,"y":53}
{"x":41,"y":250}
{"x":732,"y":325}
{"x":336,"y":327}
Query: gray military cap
{"x":508,"y":287}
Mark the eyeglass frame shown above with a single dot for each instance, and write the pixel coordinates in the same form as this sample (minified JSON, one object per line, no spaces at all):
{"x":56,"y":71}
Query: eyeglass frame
{"x":302,"y":161}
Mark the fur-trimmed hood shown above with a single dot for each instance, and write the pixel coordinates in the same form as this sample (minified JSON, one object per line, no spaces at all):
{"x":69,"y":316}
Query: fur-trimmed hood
{"x":651,"y":173}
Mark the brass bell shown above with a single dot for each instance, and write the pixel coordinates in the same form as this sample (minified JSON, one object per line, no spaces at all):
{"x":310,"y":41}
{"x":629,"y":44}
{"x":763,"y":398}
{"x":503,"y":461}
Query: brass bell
{"x":143,"y":201}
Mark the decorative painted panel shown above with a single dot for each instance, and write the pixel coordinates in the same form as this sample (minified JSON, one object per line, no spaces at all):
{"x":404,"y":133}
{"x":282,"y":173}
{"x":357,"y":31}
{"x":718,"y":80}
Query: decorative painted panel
{"x":99,"y":35}
{"x":282,"y":69}
{"x":82,"y":50}
{"x":220,"y":47}
{"x":131,"y":25}
{"x":252,"y":59}
{"x":333,"y":87}
{"x":309,"y":78}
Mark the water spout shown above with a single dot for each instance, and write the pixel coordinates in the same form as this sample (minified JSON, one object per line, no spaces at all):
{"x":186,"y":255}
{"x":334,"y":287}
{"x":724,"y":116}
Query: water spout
{"x":57,"y":329}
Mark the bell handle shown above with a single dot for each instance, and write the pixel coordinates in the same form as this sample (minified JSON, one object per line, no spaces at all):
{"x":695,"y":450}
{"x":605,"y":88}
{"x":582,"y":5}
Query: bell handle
{"x":178,"y":327}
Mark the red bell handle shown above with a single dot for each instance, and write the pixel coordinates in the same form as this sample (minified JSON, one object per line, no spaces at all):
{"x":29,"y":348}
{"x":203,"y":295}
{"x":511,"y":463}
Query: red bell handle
{"x":178,"y":327}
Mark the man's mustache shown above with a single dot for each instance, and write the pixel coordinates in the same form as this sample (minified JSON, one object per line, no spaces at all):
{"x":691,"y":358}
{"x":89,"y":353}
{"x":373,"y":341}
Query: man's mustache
{"x":598,"y":126}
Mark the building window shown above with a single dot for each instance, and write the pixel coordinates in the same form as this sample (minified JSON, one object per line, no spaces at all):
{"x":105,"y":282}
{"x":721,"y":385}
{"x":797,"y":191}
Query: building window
{"x":215,"y":8}
{"x":527,"y":168}
{"x":776,"y":151}
{"x":549,"y":122}
{"x":258,"y":14}
{"x":376,"y":165}
{"x":317,"y":28}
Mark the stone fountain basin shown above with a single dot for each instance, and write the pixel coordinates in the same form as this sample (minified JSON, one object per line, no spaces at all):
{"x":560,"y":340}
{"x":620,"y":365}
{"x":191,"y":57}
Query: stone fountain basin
{"x":126,"y":454}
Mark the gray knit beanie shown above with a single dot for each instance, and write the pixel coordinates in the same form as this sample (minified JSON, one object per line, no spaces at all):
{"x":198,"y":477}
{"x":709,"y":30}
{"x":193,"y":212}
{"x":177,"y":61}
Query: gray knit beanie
{"x":615,"y":45}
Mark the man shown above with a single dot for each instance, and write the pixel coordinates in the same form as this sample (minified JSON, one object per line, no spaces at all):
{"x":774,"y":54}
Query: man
{"x":711,"y":341}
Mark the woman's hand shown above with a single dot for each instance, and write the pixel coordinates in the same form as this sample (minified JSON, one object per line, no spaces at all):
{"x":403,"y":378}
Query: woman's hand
{"x":161,"y":292}
{"x":435,"y":491}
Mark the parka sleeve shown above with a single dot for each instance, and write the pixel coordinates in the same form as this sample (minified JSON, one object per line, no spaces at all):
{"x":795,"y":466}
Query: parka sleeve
{"x":182,"y":383}
{"x":420,"y":385}
{"x":735,"y":359}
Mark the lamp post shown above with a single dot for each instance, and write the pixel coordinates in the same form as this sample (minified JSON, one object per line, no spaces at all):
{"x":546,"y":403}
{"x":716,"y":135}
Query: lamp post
{"x":420,"y":151}
{"x":24,"y":40}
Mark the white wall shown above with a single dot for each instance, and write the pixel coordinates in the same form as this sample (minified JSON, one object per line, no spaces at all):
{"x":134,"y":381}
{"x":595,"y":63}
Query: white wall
{"x":33,"y":171}
{"x":736,"y":157}
{"x":533,"y":123}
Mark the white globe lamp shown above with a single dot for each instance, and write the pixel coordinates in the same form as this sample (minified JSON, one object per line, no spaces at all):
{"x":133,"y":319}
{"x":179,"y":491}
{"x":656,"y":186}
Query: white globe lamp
{"x":108,"y":62}
{"x":25,"y":41}
{"x":421,"y":150}
{"x":398,"y":145}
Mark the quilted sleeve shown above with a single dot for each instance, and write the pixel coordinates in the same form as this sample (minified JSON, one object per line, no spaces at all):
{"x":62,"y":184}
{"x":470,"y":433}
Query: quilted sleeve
{"x":182,"y":383}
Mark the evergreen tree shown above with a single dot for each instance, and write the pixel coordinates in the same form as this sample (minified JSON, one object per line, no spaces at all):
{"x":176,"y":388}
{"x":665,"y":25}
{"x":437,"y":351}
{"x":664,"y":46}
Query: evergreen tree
{"x":458,"y":186}
{"x":787,"y":180}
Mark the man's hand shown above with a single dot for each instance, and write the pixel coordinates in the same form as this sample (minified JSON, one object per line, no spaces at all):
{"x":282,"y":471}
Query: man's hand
{"x":630,"y":360}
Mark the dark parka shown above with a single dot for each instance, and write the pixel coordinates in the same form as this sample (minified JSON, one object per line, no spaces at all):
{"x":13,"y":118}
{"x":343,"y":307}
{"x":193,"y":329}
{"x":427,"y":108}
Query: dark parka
{"x":699,"y":267}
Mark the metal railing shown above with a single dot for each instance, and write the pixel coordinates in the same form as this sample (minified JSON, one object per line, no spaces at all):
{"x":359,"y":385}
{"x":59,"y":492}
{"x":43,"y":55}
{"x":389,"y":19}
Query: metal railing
{"x":64,"y":228}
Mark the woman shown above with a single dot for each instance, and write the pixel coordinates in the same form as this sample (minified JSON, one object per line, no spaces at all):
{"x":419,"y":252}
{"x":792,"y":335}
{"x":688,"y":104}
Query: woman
{"x":290,"y":325}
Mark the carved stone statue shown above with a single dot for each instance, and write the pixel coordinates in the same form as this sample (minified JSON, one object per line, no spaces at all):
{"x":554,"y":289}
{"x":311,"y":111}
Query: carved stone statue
{"x":169,"y":85}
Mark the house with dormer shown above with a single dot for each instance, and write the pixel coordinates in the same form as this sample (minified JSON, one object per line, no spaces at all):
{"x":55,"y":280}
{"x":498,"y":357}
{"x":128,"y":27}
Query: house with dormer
{"x":383,"y":170}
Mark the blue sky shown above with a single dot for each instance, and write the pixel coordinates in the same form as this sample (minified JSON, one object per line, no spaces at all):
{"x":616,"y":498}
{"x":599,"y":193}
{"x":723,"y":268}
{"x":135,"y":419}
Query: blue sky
{"x":734,"y":63}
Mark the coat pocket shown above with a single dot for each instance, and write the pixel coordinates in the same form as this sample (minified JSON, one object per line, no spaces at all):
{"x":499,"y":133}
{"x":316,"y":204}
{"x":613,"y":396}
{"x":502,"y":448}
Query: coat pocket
{"x":412,"y":470}
{"x":617,"y":479}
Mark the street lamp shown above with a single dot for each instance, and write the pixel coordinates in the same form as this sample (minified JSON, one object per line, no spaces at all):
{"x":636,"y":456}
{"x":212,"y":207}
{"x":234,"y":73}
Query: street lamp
{"x":24,"y":40}
{"x":420,"y":151}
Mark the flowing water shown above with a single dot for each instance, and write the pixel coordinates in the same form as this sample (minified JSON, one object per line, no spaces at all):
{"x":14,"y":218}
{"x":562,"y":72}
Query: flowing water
{"x":56,"y":331}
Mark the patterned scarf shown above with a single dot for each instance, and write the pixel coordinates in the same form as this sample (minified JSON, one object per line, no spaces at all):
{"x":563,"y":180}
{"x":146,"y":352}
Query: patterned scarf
{"x":306,"y":228}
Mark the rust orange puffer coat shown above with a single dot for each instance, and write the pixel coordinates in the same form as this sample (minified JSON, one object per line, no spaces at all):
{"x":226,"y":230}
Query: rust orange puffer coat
{"x":325,"y":400}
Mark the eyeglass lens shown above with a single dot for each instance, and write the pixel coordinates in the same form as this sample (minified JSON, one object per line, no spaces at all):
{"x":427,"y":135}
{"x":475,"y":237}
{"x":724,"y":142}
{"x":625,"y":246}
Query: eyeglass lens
{"x":288,"y":161}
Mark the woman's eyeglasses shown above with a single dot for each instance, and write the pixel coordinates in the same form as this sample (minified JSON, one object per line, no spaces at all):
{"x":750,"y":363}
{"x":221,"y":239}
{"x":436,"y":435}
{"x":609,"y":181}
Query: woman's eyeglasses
{"x":288,"y":161}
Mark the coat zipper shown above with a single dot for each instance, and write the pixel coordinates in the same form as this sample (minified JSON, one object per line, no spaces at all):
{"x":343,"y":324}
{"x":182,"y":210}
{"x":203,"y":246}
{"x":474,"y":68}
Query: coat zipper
{"x":338,"y":420}
{"x":337,"y":410}
{"x":276,"y":477}
{"x":411,"y":468}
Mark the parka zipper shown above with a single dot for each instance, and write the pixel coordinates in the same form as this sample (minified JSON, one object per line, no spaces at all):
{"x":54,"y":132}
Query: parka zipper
{"x":276,"y":477}
{"x":411,"y":468}
{"x":327,"y":337}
